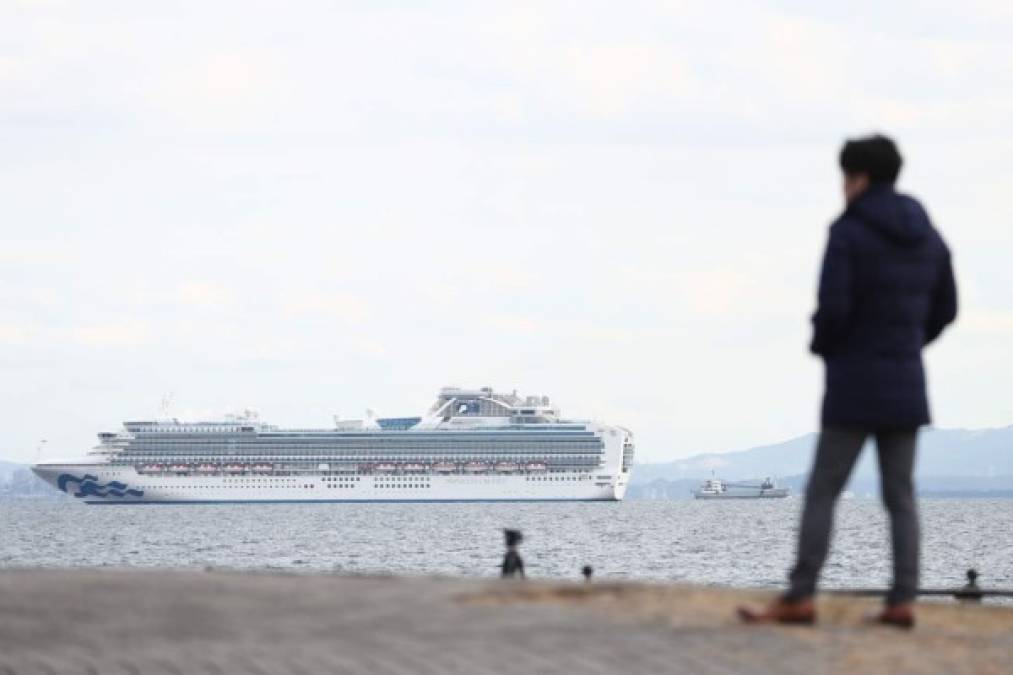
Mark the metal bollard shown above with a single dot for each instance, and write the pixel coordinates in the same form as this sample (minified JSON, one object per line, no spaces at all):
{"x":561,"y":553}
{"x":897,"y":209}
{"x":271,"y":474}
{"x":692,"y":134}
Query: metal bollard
{"x":971,"y":592}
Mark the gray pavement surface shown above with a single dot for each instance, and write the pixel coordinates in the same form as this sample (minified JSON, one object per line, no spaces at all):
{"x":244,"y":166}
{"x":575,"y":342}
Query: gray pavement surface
{"x":178,"y":623}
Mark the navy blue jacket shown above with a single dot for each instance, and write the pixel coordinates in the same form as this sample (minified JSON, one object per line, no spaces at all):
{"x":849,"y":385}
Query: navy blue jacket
{"x":886,"y":290}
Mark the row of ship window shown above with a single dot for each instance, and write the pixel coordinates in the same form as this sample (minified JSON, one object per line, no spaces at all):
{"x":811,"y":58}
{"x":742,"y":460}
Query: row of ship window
{"x":378,"y":457}
{"x":392,"y":434}
{"x":294,"y":464}
{"x":370,"y":438}
{"x":340,"y":473}
{"x":218,"y":487}
{"x":408,"y":482}
{"x":450,"y":435}
{"x":308,"y":486}
{"x":556,"y":478}
{"x":415,"y":450}
{"x":471,"y":447}
{"x":148,"y":456}
{"x":373,"y":436}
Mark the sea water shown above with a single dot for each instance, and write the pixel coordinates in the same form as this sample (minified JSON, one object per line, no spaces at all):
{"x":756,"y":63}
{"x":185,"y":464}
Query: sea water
{"x":741,"y":543}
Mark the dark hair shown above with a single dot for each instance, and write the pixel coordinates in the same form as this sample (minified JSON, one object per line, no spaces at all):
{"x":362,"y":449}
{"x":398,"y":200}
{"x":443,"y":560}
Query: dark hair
{"x":877,"y":156}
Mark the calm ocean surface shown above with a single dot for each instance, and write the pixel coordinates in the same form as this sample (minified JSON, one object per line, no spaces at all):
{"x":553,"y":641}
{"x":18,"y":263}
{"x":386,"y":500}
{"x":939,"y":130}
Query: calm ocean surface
{"x":740,"y":543}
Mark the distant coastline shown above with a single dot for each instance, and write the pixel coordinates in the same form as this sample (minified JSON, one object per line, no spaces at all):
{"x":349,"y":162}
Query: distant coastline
{"x":958,"y":463}
{"x":661,"y":489}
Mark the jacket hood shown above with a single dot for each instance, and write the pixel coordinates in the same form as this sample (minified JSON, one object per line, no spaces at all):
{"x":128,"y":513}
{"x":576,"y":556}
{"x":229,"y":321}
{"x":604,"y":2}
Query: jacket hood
{"x":897,"y":217}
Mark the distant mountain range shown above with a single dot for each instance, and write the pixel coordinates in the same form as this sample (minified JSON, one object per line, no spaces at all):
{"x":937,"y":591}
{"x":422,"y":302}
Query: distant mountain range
{"x":958,"y":461}
{"x":7,"y":468}
{"x":18,"y":482}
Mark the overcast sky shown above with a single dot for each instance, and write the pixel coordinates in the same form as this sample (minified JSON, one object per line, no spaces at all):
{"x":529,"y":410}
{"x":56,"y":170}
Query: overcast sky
{"x":313,"y":208}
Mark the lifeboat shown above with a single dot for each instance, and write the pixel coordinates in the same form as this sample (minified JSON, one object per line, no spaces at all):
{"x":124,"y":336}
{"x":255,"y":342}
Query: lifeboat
{"x":384,"y":468}
{"x":414,"y":467}
{"x":207,"y":468}
{"x":506,"y":467}
{"x":263,"y":468}
{"x":180,"y":468}
{"x":151,"y":468}
{"x":535,"y":466}
{"x":235,"y":468}
{"x":445,"y":467}
{"x":476,"y":467}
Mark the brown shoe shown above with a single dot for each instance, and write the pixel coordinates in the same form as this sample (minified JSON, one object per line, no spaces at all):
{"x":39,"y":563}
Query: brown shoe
{"x":898,"y":616}
{"x":781,"y":611}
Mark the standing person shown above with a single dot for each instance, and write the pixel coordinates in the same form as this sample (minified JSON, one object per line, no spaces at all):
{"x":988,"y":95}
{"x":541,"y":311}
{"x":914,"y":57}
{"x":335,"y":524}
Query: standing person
{"x":886,"y":290}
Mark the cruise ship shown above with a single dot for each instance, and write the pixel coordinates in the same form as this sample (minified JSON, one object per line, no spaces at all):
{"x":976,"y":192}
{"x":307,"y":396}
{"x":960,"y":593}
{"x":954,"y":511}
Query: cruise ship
{"x":472,"y":445}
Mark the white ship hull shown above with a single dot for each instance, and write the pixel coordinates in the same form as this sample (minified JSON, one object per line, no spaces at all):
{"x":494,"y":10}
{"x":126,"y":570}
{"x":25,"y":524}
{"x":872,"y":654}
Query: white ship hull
{"x":111,"y":484}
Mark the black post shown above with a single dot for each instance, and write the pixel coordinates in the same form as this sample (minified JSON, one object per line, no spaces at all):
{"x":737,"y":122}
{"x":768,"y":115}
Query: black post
{"x":971,"y":592}
{"x":512,"y":562}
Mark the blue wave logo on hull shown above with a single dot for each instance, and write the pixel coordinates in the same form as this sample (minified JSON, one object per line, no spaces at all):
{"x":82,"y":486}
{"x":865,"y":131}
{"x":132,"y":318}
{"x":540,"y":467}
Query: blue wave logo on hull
{"x":88,"y":486}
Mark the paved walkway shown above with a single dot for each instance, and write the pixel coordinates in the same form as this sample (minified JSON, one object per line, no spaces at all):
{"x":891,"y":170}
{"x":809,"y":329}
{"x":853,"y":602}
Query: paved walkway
{"x":182,"y":623}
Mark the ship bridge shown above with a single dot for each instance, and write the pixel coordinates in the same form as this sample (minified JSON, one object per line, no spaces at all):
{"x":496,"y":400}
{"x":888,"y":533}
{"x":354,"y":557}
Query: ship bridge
{"x":454,"y":403}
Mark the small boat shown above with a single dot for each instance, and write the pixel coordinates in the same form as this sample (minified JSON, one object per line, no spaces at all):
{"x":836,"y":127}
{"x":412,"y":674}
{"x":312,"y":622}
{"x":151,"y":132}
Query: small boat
{"x":207,"y":468}
{"x":414,"y":467}
{"x":715,"y":488}
{"x":535,"y":466}
{"x":263,"y":468}
{"x":506,"y":467}
{"x":445,"y":467}
{"x":151,"y":468}
{"x":476,"y":467}
{"x":180,"y":468}
{"x":235,"y":468}
{"x":385,"y":468}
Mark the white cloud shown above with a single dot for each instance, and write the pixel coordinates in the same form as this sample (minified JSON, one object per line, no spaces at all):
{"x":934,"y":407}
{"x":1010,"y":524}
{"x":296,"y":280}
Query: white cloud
{"x":114,"y":333}
{"x":988,"y":322}
{"x":513,"y":325}
{"x":205,"y":294}
{"x":344,"y":307}
{"x":225,"y":91}
{"x":15,"y":333}
{"x":621,"y":206}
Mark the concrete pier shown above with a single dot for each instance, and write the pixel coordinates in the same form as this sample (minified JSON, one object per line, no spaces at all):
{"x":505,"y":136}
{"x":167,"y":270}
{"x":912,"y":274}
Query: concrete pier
{"x":190,"y":622}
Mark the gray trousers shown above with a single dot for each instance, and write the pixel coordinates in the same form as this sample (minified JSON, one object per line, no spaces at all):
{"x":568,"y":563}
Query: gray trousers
{"x":836,"y":454}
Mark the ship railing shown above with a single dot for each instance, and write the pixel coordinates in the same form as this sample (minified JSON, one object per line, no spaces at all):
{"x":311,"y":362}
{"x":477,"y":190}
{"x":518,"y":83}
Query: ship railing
{"x":169,"y":471}
{"x":970,"y":591}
